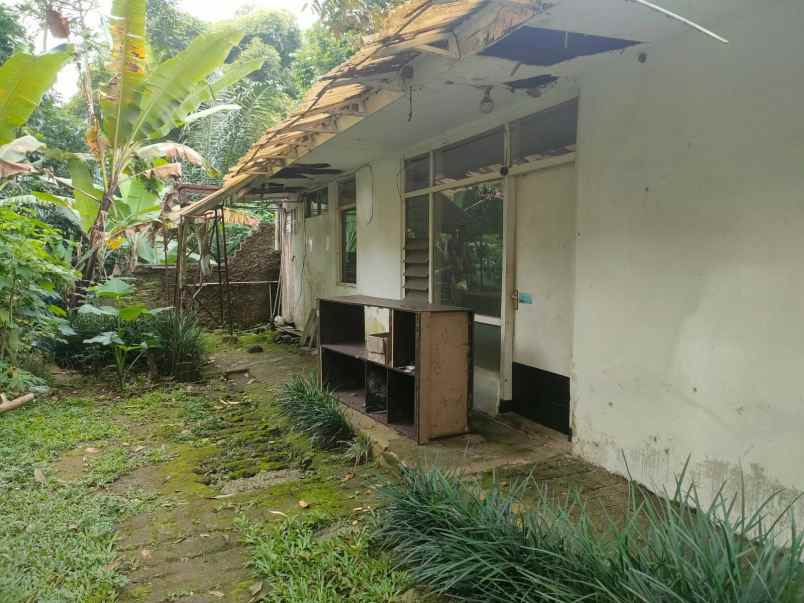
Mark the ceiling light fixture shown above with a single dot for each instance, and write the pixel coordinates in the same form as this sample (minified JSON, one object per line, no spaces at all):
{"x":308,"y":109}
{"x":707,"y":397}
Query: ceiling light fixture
{"x":487,"y":104}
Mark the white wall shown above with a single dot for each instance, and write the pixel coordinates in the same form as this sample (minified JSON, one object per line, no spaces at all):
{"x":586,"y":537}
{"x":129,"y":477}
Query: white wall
{"x":689,"y":330}
{"x":379,"y":243}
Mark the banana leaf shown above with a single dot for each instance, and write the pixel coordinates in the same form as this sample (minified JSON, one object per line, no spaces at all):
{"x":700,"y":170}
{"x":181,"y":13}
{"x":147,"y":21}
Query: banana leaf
{"x":121,"y":101}
{"x":86,"y":198}
{"x":24,"y":79}
{"x":166,"y":90}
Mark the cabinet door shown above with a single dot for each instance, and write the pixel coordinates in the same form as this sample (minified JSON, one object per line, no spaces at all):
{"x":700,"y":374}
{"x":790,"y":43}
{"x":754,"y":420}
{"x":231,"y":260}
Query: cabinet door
{"x":444,"y":370}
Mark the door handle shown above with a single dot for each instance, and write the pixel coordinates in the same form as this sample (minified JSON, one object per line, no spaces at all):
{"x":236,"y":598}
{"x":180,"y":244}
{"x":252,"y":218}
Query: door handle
{"x":515,"y":299}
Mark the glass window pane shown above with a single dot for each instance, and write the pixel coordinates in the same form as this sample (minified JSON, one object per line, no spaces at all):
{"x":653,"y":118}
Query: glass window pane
{"x":488,"y":357}
{"x":417,"y":212}
{"x":316,"y":203}
{"x":347,"y":192}
{"x":417,"y":173}
{"x":479,"y":156}
{"x":469,"y":248}
{"x":349,"y":246}
{"x":547,"y":133}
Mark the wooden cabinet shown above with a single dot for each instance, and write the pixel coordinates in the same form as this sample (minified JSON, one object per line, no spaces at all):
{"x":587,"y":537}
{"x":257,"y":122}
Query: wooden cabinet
{"x":422,"y":385}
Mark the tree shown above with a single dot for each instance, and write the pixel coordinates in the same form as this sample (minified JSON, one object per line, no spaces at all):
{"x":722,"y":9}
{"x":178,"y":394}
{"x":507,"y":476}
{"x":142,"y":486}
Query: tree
{"x":321,"y":51}
{"x":353,"y":16}
{"x":13,"y":36}
{"x":275,"y":28}
{"x":170,"y":29}
{"x":139,"y":107}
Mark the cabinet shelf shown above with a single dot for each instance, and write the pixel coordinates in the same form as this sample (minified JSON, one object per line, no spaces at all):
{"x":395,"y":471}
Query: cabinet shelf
{"x":429,"y":402}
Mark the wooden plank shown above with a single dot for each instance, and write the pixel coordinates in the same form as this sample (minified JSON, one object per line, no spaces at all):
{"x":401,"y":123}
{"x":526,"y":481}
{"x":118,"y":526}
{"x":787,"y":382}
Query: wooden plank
{"x":443,"y":367}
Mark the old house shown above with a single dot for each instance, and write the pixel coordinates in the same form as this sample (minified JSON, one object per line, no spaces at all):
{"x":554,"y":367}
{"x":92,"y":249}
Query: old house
{"x":614,"y":189}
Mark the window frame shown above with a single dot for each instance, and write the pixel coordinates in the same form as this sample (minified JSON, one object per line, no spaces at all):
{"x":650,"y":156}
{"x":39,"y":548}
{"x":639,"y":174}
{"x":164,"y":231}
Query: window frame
{"x":341,"y":209}
{"x":315,"y":196}
{"x":432,"y":189}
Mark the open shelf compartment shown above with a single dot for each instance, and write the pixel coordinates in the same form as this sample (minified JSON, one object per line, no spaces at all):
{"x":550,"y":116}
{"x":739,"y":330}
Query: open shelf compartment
{"x":395,"y":390}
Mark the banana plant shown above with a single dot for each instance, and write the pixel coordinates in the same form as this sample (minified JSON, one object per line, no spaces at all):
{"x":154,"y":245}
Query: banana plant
{"x":140,"y":106}
{"x":24,"y":80}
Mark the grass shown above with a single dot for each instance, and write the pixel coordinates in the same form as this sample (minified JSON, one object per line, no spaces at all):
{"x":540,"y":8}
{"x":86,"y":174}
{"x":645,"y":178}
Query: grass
{"x":300,"y":562}
{"x":480,"y":546}
{"x":315,"y":411}
{"x":56,"y":540}
{"x":360,"y":450}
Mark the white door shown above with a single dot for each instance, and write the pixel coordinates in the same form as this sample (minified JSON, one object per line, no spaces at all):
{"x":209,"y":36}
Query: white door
{"x":545,"y":269}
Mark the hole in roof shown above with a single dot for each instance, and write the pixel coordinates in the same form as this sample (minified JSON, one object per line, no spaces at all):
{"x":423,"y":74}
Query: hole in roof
{"x":545,"y":47}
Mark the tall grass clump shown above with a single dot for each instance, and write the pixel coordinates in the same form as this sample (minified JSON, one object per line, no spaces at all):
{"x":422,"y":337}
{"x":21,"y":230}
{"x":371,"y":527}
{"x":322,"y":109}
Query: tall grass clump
{"x":182,"y":349}
{"x":315,"y":411}
{"x":479,"y":546}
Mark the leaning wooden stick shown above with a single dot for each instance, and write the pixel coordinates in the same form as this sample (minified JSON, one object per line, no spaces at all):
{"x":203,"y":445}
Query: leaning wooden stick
{"x":9,"y":405}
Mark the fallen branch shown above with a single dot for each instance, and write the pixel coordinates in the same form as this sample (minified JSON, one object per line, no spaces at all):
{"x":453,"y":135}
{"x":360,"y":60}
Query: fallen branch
{"x":9,"y":405}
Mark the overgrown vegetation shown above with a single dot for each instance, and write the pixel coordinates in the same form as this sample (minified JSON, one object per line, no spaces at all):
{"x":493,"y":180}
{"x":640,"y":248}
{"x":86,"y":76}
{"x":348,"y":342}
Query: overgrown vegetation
{"x":34,"y":270}
{"x":483,"y":546}
{"x":299,"y":564}
{"x":56,"y":539}
{"x":315,"y":411}
{"x":112,"y":330}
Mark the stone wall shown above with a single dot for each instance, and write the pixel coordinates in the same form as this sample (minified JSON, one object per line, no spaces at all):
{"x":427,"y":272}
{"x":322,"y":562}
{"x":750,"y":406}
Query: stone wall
{"x":256,"y":260}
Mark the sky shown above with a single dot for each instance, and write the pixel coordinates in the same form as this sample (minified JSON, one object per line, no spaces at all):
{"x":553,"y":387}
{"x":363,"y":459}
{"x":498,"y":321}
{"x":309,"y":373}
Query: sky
{"x":209,"y":10}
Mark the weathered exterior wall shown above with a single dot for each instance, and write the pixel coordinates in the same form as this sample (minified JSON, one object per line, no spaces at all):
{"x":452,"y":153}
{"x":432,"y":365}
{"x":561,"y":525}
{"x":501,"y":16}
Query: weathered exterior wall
{"x":315,"y":254}
{"x":687,"y":332}
{"x":256,"y":260}
{"x":154,"y":286}
{"x":689,"y":338}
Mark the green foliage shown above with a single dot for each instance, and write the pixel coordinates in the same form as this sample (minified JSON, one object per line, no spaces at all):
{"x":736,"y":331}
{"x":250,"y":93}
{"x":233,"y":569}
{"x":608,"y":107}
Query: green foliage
{"x":320,"y":52}
{"x":353,"y":16}
{"x":181,"y":351}
{"x":24,"y":80}
{"x":480,"y":546}
{"x":17,"y":381}
{"x":13,"y":37}
{"x":299,"y":565}
{"x":59,"y":127}
{"x":315,"y":411}
{"x":34,"y":269}
{"x":170,"y":29}
{"x":118,"y":290}
{"x":176,"y":346}
{"x":56,"y":541}
{"x":226,"y":137}
{"x":360,"y":450}
{"x":274,"y":28}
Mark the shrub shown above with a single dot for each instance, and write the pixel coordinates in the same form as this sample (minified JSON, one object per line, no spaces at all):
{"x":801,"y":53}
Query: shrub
{"x":316,"y":411}
{"x":17,"y":381}
{"x":181,"y":351}
{"x":480,"y":547}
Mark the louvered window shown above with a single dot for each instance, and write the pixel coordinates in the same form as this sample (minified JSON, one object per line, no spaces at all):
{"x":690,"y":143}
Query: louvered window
{"x":417,"y":248}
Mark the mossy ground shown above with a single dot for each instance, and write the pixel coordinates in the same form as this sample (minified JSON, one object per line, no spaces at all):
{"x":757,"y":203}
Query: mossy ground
{"x":134,"y":502}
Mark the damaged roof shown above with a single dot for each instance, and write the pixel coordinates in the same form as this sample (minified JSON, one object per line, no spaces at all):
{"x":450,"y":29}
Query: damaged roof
{"x":530,"y":33}
{"x":355,"y":89}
